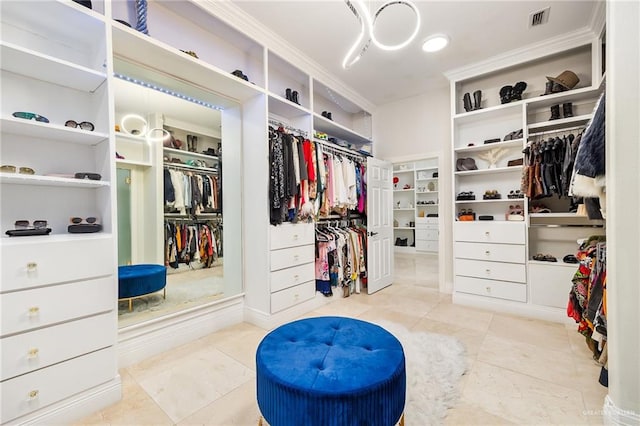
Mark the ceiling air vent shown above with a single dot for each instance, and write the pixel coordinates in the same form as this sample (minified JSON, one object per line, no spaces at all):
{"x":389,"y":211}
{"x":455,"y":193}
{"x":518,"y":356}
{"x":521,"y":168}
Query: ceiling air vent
{"x":538,"y":18}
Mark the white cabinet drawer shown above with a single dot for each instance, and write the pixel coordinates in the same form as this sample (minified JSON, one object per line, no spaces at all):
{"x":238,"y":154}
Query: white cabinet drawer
{"x":292,"y":276}
{"x":292,"y":296}
{"x":286,"y":258}
{"x":485,"y":232}
{"x":427,"y":225}
{"x":25,"y":352}
{"x":292,"y":235}
{"x":25,"y":310}
{"x":493,"y":252}
{"x":30,"y":392}
{"x":490,"y":288}
{"x":426,"y":245}
{"x":491,"y":270}
{"x":551,"y":283}
{"x":27,"y":265}
{"x":426,"y":234}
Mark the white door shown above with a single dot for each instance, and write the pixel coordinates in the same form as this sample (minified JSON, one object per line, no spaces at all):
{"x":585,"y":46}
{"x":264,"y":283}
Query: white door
{"x":379,"y":224}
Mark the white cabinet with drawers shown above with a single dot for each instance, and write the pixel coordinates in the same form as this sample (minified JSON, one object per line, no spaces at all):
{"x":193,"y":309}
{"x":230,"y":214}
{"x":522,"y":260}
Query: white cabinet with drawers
{"x":292,"y":265}
{"x":58,"y":289}
{"x":490,"y":260}
{"x":427,"y":234}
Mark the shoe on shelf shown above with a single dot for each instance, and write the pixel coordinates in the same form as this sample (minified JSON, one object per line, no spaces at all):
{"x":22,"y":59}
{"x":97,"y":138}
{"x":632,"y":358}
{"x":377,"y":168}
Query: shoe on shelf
{"x":287,"y":94}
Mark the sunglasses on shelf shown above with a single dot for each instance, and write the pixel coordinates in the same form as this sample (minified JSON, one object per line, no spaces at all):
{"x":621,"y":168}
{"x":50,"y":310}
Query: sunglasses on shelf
{"x":30,"y":116}
{"x":84,"y":125}
{"x":25,"y":224}
{"x":78,"y":220}
{"x":12,"y":169}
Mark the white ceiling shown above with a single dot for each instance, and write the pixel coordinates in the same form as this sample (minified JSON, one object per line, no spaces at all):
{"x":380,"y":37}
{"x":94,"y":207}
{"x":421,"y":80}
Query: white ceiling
{"x":324,"y":31}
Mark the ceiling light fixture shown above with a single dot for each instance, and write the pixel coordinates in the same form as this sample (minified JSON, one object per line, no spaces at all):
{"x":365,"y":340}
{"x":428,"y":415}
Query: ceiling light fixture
{"x":435,"y":42}
{"x":367,"y":24}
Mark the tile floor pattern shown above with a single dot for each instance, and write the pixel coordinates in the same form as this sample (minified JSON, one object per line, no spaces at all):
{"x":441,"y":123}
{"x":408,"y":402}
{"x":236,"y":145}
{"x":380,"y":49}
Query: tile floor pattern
{"x":521,"y":371}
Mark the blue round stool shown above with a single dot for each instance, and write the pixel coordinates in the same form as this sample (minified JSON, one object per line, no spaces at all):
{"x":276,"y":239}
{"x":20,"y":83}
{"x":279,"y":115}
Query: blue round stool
{"x":140,"y":280}
{"x":330,"y":371}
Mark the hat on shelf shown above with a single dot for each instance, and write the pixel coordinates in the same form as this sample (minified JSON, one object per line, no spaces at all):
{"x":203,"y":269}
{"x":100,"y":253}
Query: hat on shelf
{"x":210,"y":151}
{"x":464,"y":164}
{"x":567,"y":79}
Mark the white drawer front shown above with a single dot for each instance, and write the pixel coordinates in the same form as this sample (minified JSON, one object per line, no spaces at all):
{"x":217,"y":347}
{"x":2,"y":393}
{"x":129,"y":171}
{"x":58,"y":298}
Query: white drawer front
{"x":489,"y":288}
{"x":292,"y":296}
{"x":426,"y":245}
{"x":491,"y":270}
{"x":426,"y":234}
{"x":427,"y":225}
{"x":25,"y":352}
{"x":286,"y":258}
{"x":25,"y":310}
{"x":493,"y":252}
{"x":49,"y":262}
{"x":485,"y":232}
{"x":30,"y":392}
{"x":292,"y":235}
{"x":551,"y":284}
{"x":292,"y":276}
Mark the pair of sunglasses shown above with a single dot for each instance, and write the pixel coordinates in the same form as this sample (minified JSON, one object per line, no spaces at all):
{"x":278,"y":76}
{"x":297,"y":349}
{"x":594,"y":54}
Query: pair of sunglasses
{"x":78,"y":220}
{"x":31,"y":116}
{"x":84,"y":125}
{"x":25,"y":224}
{"x":12,"y":169}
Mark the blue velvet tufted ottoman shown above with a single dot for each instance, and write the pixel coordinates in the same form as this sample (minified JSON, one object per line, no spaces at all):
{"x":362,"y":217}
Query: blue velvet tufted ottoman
{"x":331,"y":371}
{"x":140,"y":280}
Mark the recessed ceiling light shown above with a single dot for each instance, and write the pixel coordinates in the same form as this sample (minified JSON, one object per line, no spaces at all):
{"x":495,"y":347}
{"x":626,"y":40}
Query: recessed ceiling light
{"x":435,"y":42}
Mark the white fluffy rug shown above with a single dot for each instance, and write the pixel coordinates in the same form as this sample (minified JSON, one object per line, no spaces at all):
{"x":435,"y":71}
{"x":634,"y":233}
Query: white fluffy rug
{"x":435,"y":363}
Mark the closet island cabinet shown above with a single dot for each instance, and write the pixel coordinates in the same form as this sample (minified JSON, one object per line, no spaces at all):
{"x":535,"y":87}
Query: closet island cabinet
{"x":58,"y":289}
{"x":497,"y":228}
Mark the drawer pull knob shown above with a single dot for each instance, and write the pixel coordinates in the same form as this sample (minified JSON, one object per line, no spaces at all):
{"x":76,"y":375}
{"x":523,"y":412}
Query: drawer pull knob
{"x":296,"y":296}
{"x":296,"y":277}
{"x":488,"y":289}
{"x":488,"y":271}
{"x":32,"y":266}
{"x":34,"y":394}
{"x":295,"y":236}
{"x":33,"y":353}
{"x":33,"y":311}
{"x":296,"y":257}
{"x":487,"y":252}
{"x":487,"y":233}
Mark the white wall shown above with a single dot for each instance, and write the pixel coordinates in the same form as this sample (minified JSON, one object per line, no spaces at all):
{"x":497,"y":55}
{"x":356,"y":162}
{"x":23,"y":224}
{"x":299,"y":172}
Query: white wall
{"x":413,"y":126}
{"x":417,"y":127}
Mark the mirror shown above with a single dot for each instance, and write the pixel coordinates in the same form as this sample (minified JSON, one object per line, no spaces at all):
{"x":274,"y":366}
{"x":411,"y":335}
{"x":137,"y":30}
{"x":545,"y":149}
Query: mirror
{"x":171,"y":199}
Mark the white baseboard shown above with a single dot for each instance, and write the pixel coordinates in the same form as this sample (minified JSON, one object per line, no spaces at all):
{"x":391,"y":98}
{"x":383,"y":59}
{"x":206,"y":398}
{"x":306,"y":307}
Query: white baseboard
{"x":76,"y":407}
{"x":515,"y":308}
{"x":141,"y":341}
{"x":270,"y":321}
{"x":616,"y":416}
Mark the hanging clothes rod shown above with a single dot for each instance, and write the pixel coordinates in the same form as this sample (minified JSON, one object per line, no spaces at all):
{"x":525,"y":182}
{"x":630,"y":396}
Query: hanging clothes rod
{"x":216,"y":220}
{"x":339,"y":150}
{"x":285,"y":126}
{"x":567,"y":129}
{"x":191,"y":168}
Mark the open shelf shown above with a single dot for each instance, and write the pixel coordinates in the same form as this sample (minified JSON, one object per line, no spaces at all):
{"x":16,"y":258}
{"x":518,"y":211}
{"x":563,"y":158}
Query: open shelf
{"x":206,"y":79}
{"x":47,"y":68}
{"x":333,"y":129}
{"x":490,"y":171}
{"x":485,"y":147}
{"x":560,"y":123}
{"x":36,"y":129}
{"x":38,"y":180}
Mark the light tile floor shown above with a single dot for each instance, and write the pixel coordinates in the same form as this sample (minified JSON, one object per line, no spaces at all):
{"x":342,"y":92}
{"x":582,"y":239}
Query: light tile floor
{"x":521,"y":371}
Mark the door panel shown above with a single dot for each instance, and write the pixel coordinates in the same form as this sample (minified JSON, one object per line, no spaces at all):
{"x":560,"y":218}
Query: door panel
{"x":379,"y":224}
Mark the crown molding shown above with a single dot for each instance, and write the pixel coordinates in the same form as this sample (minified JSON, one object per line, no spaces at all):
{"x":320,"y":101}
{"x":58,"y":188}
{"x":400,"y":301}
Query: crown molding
{"x":253,"y":28}
{"x":580,"y":37}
